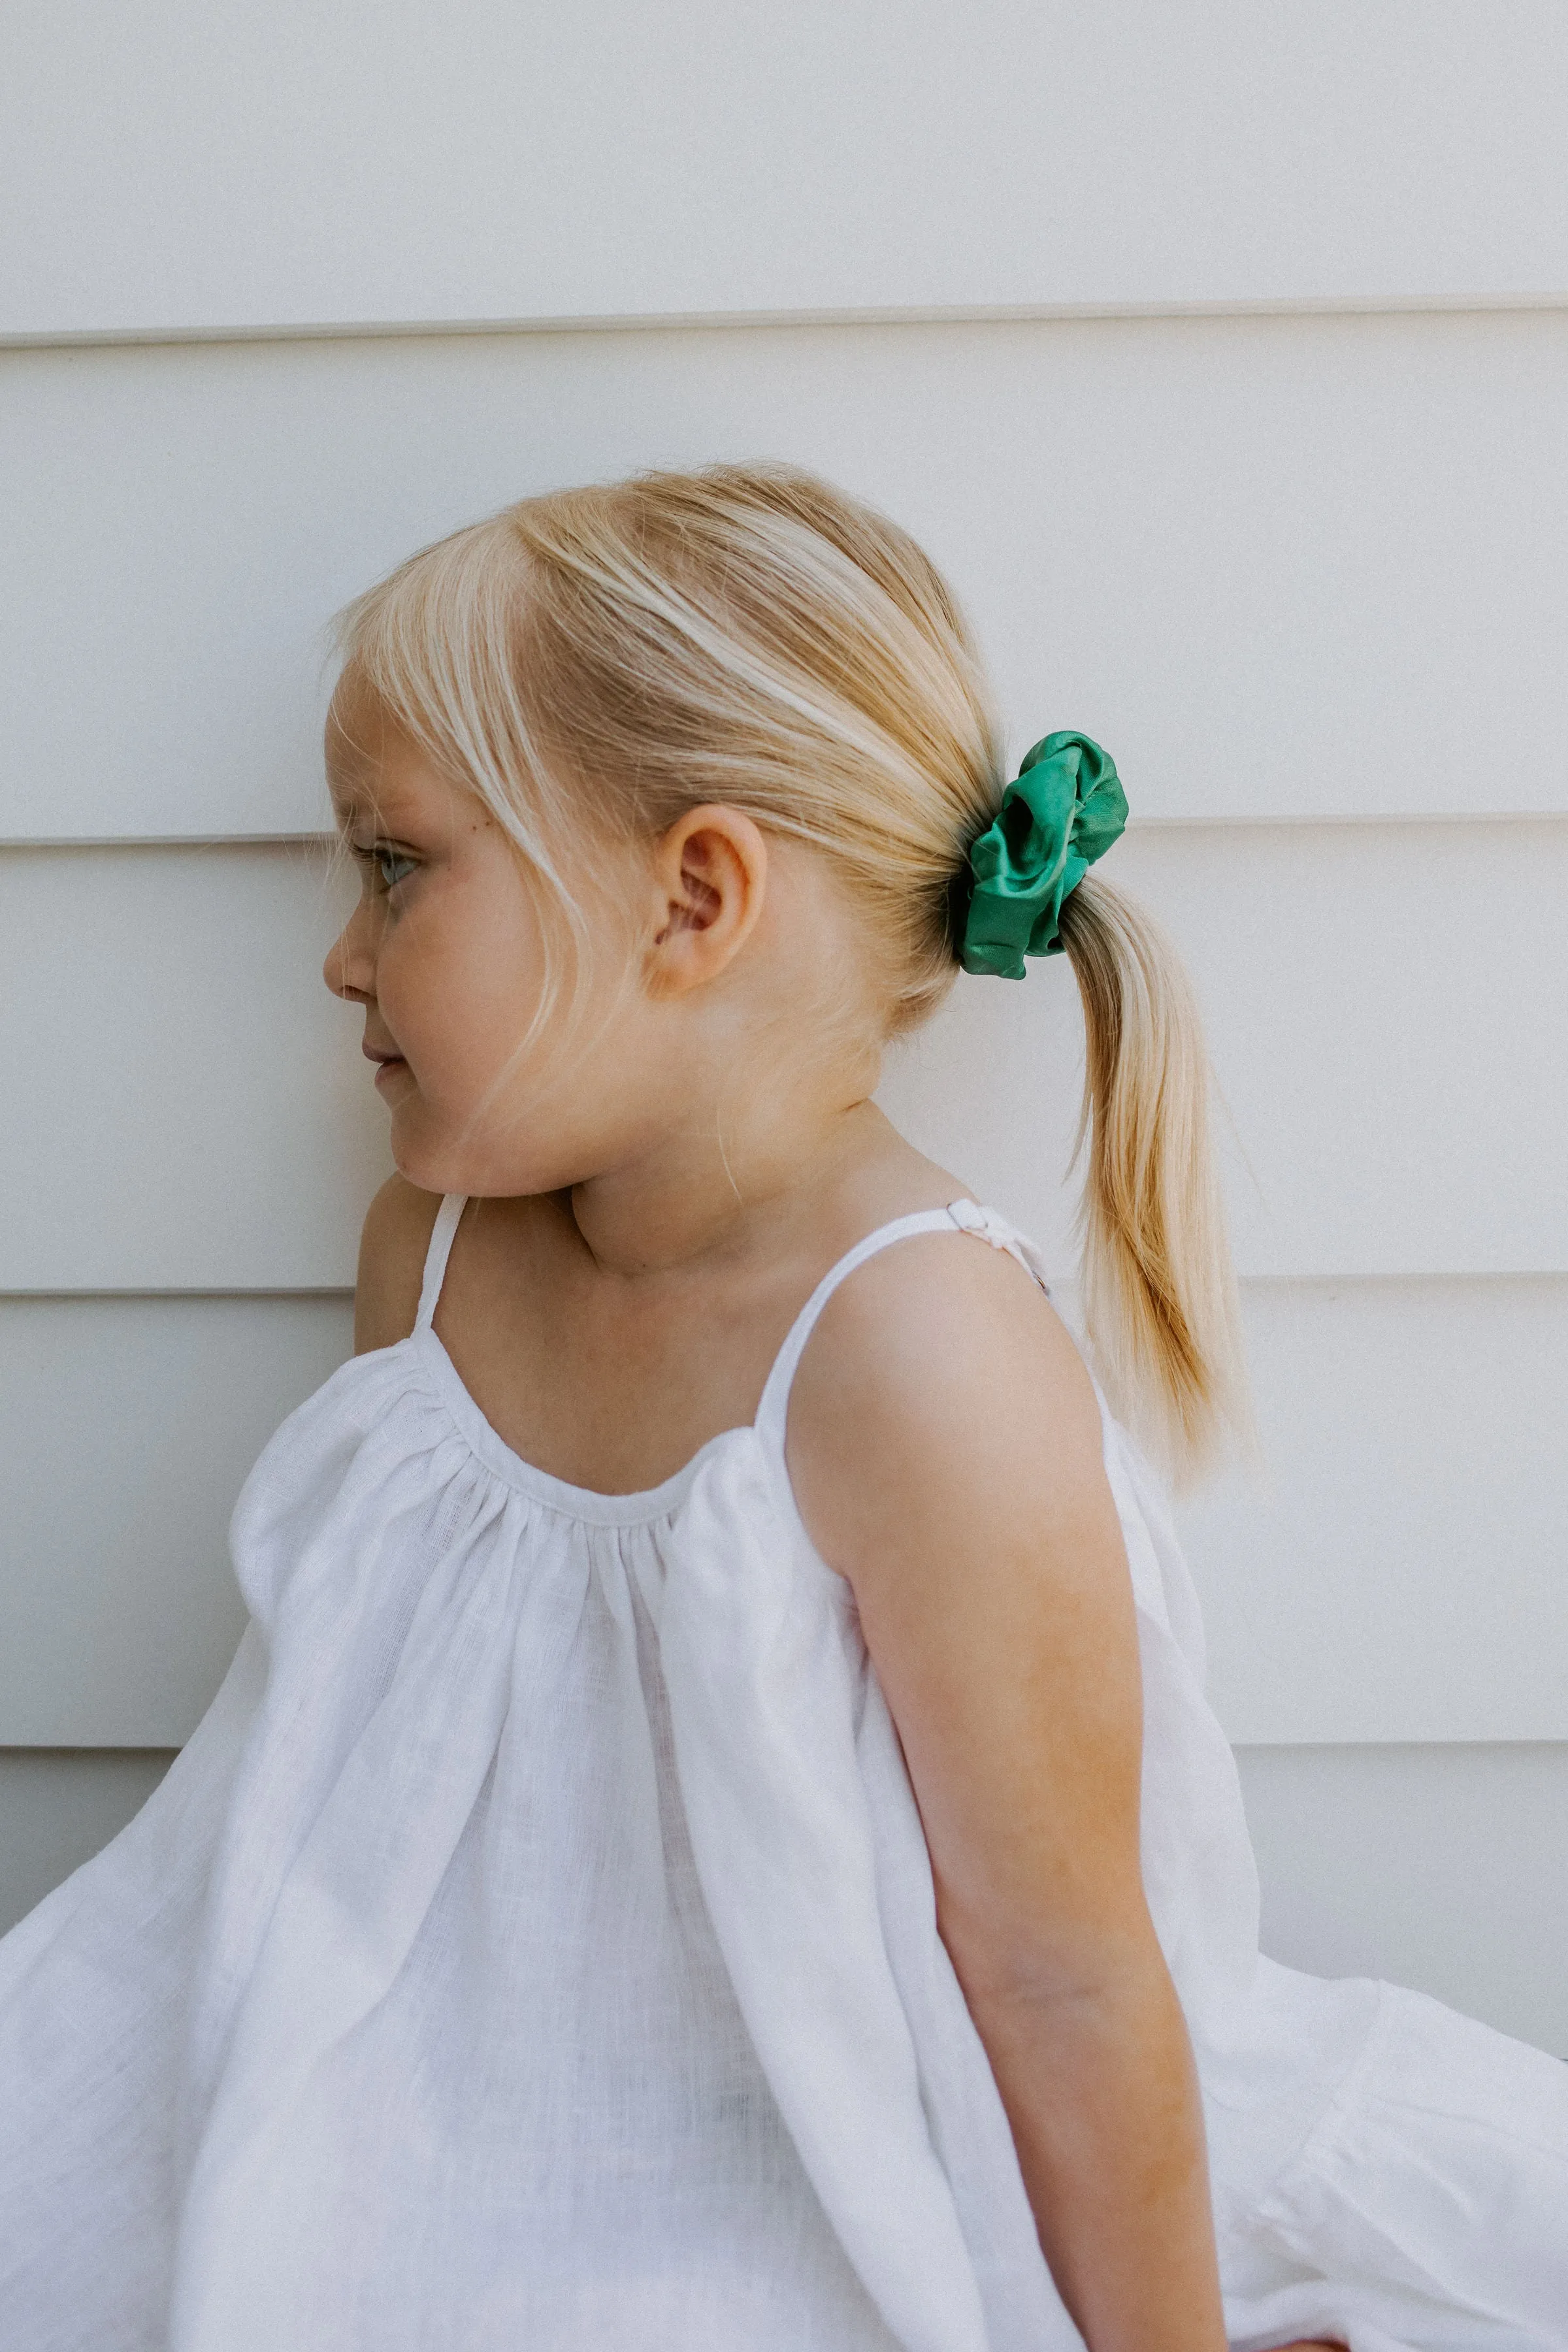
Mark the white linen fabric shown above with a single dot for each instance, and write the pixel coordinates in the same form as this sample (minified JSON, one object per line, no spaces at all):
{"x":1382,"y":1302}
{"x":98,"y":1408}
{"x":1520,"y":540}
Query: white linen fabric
{"x":534,"y":1948}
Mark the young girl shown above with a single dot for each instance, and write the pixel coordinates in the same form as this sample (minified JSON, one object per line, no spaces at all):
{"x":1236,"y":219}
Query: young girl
{"x":712,"y":1840}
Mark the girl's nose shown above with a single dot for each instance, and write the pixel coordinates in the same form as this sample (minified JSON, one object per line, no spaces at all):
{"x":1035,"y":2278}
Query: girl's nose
{"x":350,"y":968}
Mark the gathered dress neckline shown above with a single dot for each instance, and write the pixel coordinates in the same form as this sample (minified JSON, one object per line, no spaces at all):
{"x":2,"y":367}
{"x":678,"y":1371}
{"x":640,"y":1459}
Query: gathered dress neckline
{"x":636,"y":1506}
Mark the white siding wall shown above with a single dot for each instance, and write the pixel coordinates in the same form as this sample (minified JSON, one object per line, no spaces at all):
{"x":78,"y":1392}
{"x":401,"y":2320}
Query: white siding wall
{"x":1303,"y":566}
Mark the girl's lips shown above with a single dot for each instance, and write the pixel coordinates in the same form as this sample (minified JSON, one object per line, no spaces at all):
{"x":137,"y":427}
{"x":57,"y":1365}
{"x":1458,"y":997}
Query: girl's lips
{"x":396,"y":1062}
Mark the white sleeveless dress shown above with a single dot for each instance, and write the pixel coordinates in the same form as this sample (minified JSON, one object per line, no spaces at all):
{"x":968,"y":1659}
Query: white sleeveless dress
{"x":534,"y":1950}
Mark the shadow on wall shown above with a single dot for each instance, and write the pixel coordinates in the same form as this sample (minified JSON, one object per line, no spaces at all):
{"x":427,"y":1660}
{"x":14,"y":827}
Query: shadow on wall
{"x":58,"y":1806}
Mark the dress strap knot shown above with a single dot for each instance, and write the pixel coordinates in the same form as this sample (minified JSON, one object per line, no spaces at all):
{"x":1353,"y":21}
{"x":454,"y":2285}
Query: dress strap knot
{"x":991,"y":1226}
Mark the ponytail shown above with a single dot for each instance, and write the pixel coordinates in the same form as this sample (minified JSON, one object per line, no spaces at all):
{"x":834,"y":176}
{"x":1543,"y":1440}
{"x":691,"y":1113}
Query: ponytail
{"x":1158,"y":1290}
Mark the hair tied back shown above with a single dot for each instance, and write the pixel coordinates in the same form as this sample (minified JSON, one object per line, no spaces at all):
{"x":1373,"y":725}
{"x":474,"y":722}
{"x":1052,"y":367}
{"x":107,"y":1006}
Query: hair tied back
{"x":1063,"y":810}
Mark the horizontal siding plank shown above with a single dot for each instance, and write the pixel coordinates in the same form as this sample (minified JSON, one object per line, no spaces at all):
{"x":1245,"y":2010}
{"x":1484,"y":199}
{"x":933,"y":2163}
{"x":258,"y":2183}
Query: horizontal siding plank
{"x":1400,"y":1578}
{"x":182,"y":169}
{"x":131,"y":1424}
{"x":188,"y":1109}
{"x":191,"y":1110}
{"x":1380,"y":1006}
{"x":1282,"y":566}
{"x":1399,"y":1574}
{"x":1443,"y":1868}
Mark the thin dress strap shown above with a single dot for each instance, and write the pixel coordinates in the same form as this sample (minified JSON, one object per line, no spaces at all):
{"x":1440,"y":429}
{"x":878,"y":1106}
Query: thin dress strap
{"x":962,"y":1216}
{"x":435,"y":1256}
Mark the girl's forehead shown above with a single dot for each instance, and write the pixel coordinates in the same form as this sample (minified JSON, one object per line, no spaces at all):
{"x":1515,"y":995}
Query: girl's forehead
{"x":398,"y":797}
{"x":373,"y":769}
{"x":354,"y":743}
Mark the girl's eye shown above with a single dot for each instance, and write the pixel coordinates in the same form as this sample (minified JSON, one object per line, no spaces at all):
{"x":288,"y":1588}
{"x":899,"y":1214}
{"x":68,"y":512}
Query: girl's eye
{"x":386,"y":867}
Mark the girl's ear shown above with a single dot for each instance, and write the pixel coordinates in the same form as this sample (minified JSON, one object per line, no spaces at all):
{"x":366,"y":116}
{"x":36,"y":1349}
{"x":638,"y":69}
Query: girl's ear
{"x":709,"y":879}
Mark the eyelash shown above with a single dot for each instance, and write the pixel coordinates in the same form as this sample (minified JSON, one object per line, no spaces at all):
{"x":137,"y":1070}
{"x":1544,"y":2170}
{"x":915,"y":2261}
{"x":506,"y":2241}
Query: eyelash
{"x":375,"y":860}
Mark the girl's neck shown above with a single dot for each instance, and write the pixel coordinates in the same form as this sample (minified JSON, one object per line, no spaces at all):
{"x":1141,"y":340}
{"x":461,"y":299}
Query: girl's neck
{"x":728,"y":1191}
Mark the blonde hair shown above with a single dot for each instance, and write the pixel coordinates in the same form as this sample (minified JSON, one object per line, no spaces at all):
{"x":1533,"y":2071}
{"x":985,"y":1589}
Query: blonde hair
{"x":753,"y":636}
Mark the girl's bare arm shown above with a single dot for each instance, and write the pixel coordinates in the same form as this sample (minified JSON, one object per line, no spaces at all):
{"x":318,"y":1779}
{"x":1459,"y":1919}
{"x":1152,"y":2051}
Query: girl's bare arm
{"x":945,"y":1447}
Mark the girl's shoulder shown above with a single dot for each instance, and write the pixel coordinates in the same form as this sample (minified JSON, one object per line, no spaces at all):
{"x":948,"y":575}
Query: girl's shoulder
{"x":394,"y":1242}
{"x":940,"y":1382}
{"x":944,"y":1319}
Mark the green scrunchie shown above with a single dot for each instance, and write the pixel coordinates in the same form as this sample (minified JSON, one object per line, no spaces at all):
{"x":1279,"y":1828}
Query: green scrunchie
{"x":1063,"y":810}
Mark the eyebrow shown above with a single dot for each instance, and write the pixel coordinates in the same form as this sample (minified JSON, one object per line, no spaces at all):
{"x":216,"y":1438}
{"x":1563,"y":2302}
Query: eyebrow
{"x":353,"y":800}
{"x":355,"y":807}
